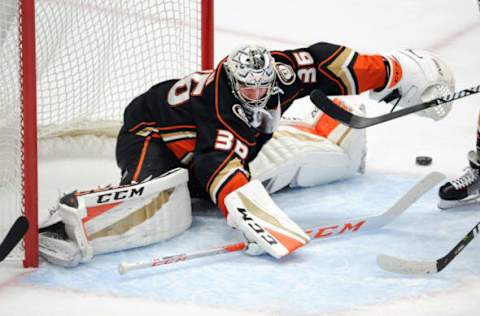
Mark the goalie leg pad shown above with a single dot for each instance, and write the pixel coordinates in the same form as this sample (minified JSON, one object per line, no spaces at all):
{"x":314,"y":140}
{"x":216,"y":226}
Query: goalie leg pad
{"x":138,"y":215}
{"x":310,"y":151}
{"x":255,"y":214}
{"x":127,"y":216}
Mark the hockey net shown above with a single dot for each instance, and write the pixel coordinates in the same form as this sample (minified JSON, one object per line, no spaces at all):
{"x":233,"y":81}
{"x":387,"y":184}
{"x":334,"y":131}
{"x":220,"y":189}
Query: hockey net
{"x":92,"y":58}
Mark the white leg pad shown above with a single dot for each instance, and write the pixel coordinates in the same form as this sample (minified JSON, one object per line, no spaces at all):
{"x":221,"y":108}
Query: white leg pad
{"x":118,"y":218}
{"x":297,"y":158}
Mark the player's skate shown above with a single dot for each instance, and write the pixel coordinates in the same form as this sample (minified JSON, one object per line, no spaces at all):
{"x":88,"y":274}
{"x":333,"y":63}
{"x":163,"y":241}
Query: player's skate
{"x":463,"y":190}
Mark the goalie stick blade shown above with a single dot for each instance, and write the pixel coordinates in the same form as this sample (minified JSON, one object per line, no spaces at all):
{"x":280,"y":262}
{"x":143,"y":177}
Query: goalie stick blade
{"x":378,"y":221}
{"x":321,"y":101}
{"x":417,"y":191}
{"x":398,"y":265}
{"x":14,"y":235}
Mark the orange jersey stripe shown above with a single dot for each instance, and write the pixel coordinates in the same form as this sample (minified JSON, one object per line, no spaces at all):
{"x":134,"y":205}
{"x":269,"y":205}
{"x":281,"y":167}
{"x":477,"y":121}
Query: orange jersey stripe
{"x":142,"y":158}
{"x":370,"y":72}
{"x":176,"y":127}
{"x":237,"y":181}
{"x":136,"y":127}
{"x":182,"y":147}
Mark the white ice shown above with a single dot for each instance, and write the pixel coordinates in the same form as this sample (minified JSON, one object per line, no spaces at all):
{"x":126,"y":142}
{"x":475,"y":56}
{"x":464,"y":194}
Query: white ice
{"x":336,"y":277}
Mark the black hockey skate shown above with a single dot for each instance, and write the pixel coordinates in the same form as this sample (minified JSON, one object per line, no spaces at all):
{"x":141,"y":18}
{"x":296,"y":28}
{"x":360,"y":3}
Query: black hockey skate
{"x":463,"y":190}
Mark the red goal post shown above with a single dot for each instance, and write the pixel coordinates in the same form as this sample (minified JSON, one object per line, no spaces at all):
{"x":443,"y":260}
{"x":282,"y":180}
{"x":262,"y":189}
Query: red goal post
{"x":69,"y":67}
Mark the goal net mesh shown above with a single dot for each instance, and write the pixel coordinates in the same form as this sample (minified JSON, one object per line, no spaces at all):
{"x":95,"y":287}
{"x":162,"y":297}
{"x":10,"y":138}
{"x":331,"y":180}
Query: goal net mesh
{"x":92,"y":58}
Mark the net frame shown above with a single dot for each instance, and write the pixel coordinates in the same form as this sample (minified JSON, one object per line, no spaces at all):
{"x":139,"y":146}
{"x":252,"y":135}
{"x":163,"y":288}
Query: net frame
{"x":31,"y":133}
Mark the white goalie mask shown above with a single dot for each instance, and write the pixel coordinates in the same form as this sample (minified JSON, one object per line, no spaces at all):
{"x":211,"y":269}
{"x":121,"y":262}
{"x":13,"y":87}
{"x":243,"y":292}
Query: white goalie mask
{"x":252,"y":76}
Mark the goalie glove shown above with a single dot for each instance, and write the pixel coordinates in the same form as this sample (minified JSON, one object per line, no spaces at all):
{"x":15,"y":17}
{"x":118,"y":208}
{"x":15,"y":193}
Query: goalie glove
{"x":415,"y":77}
{"x":265,"y":226}
{"x":59,"y":250}
{"x":62,"y":240}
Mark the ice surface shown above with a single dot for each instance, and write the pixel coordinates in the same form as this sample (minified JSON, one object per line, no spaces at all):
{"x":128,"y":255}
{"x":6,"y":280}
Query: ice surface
{"x":328,"y":277}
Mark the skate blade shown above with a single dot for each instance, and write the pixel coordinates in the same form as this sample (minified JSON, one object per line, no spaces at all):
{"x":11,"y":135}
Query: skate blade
{"x":446,"y":204}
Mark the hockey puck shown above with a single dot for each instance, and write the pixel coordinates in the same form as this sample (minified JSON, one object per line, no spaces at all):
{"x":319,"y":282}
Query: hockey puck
{"x":423,"y":160}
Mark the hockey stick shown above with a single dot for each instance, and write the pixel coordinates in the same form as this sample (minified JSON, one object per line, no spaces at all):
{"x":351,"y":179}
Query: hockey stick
{"x":398,"y":265}
{"x":322,"y":102}
{"x":322,"y":232}
{"x":14,"y":235}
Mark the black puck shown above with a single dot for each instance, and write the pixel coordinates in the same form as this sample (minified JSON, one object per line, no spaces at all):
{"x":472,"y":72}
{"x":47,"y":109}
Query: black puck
{"x":423,"y":160}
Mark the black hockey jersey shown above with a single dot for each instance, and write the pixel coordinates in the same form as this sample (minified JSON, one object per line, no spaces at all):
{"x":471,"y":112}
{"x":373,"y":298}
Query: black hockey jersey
{"x":203,"y":124}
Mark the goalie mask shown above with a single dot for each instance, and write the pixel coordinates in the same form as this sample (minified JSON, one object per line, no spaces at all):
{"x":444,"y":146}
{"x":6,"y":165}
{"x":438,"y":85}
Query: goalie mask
{"x":252,"y":77}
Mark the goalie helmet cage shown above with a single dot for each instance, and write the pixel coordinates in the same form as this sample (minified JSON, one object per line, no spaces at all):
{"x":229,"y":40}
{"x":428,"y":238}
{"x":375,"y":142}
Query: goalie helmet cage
{"x":70,"y":67}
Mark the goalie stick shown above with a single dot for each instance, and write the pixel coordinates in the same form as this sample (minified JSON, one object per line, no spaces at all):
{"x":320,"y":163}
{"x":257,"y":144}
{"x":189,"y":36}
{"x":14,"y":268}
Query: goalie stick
{"x":322,"y":232}
{"x":14,"y":235}
{"x":321,"y":101}
{"x":398,"y":265}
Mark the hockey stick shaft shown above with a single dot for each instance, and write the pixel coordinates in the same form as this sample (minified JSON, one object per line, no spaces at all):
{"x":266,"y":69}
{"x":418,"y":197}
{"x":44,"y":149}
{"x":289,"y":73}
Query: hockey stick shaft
{"x":445,"y":260}
{"x":322,"y":232}
{"x":321,"y":101}
{"x":398,"y":265}
{"x":13,"y":237}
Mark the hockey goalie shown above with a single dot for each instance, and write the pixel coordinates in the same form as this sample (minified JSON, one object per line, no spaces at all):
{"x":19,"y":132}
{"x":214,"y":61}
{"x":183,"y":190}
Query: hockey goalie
{"x":226,"y":135}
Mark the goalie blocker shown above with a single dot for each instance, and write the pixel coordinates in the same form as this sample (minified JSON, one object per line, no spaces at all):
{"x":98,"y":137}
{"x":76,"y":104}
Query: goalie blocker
{"x":116,"y":218}
{"x":265,"y":226}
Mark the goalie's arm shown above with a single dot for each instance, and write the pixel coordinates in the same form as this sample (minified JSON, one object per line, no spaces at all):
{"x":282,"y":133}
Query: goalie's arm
{"x":336,"y":70}
{"x":220,"y":173}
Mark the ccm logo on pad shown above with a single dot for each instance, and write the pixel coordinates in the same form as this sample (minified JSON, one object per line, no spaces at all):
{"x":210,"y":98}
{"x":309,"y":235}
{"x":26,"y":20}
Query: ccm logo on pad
{"x":120,"y":195}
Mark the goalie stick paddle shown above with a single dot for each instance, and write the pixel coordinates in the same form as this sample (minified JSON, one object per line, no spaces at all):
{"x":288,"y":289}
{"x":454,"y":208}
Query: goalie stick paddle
{"x":14,"y":235}
{"x":322,"y":232}
{"x":398,"y":265}
{"x":321,"y":101}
